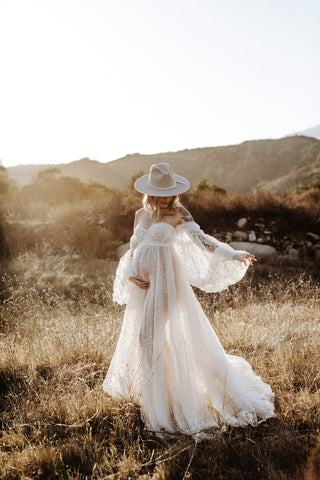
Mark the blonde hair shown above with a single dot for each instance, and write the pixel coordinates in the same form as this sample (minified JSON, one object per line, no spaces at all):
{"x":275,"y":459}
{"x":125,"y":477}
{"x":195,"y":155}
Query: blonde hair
{"x":151,"y":204}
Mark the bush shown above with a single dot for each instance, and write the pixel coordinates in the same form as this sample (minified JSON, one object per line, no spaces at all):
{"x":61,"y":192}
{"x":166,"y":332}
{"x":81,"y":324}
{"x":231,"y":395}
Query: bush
{"x":203,"y":186}
{"x":49,"y":189}
{"x":222,"y":211}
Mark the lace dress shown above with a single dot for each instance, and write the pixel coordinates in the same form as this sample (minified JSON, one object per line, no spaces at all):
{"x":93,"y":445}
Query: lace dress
{"x":168,"y":358}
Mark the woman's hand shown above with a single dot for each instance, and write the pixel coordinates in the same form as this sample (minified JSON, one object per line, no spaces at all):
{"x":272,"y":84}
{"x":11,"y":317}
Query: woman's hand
{"x":245,"y":257}
{"x":139,"y":282}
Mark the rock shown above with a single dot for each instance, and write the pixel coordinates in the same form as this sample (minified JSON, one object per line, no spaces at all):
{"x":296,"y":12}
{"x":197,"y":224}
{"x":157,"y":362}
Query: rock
{"x":259,"y":225}
{"x":228,"y":237}
{"x":261,"y":251}
{"x":293,"y":253}
{"x":240,"y":236}
{"x":241,"y":222}
{"x":313,"y":236}
{"x":252,"y":236}
{"x":287,"y":244}
{"x":260,"y":240}
{"x":267,"y":232}
{"x":90,"y":220}
{"x":309,"y":244}
{"x":122,"y":249}
{"x":316,"y":246}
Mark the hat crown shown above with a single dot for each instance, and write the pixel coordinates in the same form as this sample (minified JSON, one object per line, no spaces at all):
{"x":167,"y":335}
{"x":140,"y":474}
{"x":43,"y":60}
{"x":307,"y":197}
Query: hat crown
{"x":161,"y":176}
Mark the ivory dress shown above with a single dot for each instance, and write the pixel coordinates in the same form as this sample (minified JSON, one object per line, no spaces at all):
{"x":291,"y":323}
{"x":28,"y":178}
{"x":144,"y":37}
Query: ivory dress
{"x":168,"y":358}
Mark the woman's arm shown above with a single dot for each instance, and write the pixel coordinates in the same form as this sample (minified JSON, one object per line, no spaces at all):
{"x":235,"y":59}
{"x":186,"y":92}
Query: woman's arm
{"x":133,"y":244}
{"x":210,"y":243}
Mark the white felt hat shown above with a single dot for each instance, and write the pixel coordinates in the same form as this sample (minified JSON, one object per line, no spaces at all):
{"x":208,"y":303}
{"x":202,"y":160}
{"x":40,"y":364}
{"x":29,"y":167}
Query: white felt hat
{"x":162,"y":182}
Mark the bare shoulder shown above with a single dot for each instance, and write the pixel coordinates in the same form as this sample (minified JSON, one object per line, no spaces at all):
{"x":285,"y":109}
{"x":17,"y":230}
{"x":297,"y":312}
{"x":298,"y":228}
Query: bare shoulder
{"x":185,"y":215}
{"x":140,"y":214}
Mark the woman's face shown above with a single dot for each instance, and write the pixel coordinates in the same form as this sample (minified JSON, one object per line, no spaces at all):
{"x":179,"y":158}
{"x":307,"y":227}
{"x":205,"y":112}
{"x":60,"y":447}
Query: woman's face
{"x":164,"y":202}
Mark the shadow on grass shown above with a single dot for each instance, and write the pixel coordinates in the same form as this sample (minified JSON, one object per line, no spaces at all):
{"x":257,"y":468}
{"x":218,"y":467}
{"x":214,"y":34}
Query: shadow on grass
{"x":113,"y":444}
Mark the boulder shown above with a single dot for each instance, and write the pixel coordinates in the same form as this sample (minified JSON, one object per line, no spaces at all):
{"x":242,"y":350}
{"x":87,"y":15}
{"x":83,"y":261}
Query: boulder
{"x":261,"y":251}
{"x":122,"y":249}
{"x":293,"y":253}
{"x":252,"y":236}
{"x":241,"y":222}
{"x":240,"y":236}
{"x":313,"y":236}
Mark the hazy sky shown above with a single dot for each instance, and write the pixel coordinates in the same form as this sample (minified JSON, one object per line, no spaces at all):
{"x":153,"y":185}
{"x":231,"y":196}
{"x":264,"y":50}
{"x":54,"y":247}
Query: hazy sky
{"x":102,"y":78}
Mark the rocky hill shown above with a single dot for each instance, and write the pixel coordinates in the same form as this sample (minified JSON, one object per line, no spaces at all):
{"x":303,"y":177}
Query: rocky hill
{"x":273,"y":165}
{"x":311,"y":132}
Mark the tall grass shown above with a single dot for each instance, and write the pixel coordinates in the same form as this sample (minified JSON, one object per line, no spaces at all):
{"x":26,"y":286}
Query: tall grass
{"x":59,"y":330}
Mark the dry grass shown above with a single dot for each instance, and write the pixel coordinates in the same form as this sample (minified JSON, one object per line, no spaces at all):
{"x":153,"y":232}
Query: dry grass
{"x":59,"y":330}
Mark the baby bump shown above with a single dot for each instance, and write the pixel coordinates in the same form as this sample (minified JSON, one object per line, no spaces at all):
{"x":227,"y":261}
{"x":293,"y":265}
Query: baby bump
{"x":149,"y":261}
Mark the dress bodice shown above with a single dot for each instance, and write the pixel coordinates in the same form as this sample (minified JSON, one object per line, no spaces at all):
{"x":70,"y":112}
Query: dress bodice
{"x":207,"y":263}
{"x":158,"y":234}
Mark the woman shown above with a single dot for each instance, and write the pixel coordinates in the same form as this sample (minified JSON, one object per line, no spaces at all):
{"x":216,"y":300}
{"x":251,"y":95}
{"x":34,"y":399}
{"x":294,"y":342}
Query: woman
{"x":168,"y":358}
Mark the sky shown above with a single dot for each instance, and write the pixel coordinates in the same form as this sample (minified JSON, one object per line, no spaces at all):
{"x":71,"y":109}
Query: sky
{"x":107,"y":78}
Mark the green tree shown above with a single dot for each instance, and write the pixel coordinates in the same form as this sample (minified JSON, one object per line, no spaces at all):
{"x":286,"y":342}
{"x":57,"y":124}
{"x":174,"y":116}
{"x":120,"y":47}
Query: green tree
{"x":203,"y":186}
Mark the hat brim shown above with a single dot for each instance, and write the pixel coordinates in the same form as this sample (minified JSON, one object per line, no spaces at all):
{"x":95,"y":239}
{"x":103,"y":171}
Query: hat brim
{"x":142,"y":185}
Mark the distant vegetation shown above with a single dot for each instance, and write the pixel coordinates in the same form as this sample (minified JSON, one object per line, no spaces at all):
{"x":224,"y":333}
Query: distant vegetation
{"x":309,"y":191}
{"x":61,"y":214}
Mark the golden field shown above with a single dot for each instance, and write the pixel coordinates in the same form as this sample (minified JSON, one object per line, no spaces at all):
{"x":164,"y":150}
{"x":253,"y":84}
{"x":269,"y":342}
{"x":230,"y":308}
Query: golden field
{"x":59,"y":328}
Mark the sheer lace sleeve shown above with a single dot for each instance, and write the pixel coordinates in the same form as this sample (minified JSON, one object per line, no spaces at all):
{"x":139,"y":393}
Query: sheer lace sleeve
{"x":206,"y":241}
{"x":122,"y":285}
{"x":209,"y":264}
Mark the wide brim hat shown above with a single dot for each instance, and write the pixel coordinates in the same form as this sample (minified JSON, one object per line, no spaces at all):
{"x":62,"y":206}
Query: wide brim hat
{"x":162,"y":182}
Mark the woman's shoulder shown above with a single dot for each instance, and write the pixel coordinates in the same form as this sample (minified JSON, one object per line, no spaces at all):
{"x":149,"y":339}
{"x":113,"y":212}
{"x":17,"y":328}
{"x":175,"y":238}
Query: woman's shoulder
{"x":184,"y":214}
{"x":140,"y":211}
{"x":140,"y":214}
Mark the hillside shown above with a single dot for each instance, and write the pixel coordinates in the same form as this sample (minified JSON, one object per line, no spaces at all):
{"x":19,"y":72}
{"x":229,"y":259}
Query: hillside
{"x":311,"y":132}
{"x":271,"y":165}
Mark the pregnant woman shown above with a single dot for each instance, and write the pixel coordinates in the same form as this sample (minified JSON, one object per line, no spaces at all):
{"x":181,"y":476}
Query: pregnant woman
{"x":168,"y":358}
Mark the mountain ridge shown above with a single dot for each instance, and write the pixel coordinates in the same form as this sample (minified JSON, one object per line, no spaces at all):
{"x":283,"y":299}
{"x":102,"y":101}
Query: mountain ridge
{"x":269,"y":164}
{"x":311,"y":132}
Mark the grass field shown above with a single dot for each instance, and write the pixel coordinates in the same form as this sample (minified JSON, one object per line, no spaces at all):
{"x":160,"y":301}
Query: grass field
{"x":59,"y":328}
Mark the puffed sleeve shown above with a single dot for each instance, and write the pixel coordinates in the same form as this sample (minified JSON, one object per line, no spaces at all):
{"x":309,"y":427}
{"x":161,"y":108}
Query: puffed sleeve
{"x":209,"y":264}
{"x":125,"y":270}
